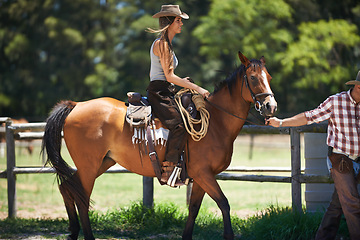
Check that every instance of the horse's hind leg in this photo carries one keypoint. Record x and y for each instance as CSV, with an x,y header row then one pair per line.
x,y
197,195
75,192
74,226
105,165
85,221
83,203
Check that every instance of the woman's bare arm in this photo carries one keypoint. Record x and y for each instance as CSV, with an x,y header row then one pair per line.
x,y
169,71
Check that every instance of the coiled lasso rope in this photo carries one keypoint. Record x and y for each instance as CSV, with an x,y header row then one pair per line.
x,y
189,121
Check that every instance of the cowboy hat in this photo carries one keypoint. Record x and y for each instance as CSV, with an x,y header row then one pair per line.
x,y
354,82
170,10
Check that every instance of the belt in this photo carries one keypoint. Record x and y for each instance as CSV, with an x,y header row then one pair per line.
x,y
352,157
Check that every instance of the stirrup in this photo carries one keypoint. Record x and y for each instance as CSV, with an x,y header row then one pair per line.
x,y
175,175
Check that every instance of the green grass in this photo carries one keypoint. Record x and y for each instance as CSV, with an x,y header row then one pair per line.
x,y
113,190
282,223
117,213
166,221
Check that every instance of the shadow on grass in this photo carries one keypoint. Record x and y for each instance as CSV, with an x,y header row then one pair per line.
x,y
166,221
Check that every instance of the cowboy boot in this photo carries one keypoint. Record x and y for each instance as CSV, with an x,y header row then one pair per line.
x,y
171,174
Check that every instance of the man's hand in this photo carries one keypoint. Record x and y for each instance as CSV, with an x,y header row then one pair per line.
x,y
273,121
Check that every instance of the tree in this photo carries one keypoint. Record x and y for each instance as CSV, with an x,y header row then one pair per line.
x,y
252,27
59,49
306,50
52,50
321,59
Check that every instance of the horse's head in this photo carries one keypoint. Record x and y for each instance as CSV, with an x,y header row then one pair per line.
x,y
257,81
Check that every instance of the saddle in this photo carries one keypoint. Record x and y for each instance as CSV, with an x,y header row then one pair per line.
x,y
139,111
139,116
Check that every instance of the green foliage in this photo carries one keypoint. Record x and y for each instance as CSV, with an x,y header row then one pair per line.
x,y
167,222
138,220
283,223
52,50
10,227
233,25
318,50
302,55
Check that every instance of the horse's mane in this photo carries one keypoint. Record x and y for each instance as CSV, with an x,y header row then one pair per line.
x,y
231,79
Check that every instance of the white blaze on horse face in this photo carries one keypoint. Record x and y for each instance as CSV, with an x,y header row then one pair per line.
x,y
266,82
272,102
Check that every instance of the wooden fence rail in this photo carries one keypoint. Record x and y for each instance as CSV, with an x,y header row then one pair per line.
x,y
16,131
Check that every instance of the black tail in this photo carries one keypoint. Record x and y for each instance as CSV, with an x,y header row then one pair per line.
x,y
52,140
52,144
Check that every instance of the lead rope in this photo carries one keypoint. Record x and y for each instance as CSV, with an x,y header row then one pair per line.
x,y
189,121
231,114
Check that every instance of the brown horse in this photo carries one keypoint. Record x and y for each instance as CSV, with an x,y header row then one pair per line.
x,y
97,136
29,145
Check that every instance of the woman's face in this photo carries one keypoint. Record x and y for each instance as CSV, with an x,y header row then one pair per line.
x,y
176,25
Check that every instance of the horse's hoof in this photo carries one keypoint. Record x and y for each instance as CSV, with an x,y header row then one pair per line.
x,y
187,237
229,237
70,237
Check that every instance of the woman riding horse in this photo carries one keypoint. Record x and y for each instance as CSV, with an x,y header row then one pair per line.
x,y
97,136
160,90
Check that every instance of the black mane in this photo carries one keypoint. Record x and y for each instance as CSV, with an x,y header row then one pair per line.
x,y
231,79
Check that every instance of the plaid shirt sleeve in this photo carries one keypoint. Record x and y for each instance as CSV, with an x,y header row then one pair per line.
x,y
321,113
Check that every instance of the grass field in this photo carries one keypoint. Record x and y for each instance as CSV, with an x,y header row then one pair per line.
x,y
38,195
166,221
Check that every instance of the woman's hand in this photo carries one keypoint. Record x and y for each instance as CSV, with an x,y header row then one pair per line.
x,y
205,93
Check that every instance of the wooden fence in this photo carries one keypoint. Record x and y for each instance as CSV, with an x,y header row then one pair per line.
x,y
17,132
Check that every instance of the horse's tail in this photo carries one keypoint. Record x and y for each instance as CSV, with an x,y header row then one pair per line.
x,y
52,140
52,144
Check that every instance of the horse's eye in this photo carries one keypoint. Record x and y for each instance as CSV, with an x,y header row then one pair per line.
x,y
253,78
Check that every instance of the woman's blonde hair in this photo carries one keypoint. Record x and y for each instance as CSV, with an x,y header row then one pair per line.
x,y
164,24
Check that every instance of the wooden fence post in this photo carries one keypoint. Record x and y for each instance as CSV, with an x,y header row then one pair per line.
x,y
10,164
148,192
295,169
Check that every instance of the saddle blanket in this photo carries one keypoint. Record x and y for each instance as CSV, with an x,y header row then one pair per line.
x,y
160,136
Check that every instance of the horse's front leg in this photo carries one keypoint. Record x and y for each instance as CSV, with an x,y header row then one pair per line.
x,y
208,183
197,195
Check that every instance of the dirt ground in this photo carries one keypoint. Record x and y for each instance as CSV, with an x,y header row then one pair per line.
x,y
39,212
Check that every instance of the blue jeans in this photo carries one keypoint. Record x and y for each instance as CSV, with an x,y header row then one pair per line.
x,y
356,166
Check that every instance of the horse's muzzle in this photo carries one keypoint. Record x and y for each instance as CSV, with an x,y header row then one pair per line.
x,y
268,107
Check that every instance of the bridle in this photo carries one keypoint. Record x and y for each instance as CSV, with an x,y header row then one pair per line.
x,y
257,104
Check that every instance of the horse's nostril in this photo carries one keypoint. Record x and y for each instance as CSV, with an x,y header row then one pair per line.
x,y
268,106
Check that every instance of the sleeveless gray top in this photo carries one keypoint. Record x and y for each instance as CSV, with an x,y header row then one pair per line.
x,y
156,70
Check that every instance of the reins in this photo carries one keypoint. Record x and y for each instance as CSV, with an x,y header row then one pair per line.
x,y
204,114
231,114
253,95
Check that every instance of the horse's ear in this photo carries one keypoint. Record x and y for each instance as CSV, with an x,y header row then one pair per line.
x,y
243,59
262,60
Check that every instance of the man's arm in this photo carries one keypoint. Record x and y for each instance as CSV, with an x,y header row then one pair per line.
x,y
295,121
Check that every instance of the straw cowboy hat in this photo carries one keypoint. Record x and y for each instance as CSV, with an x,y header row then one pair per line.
x,y
170,10
354,82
